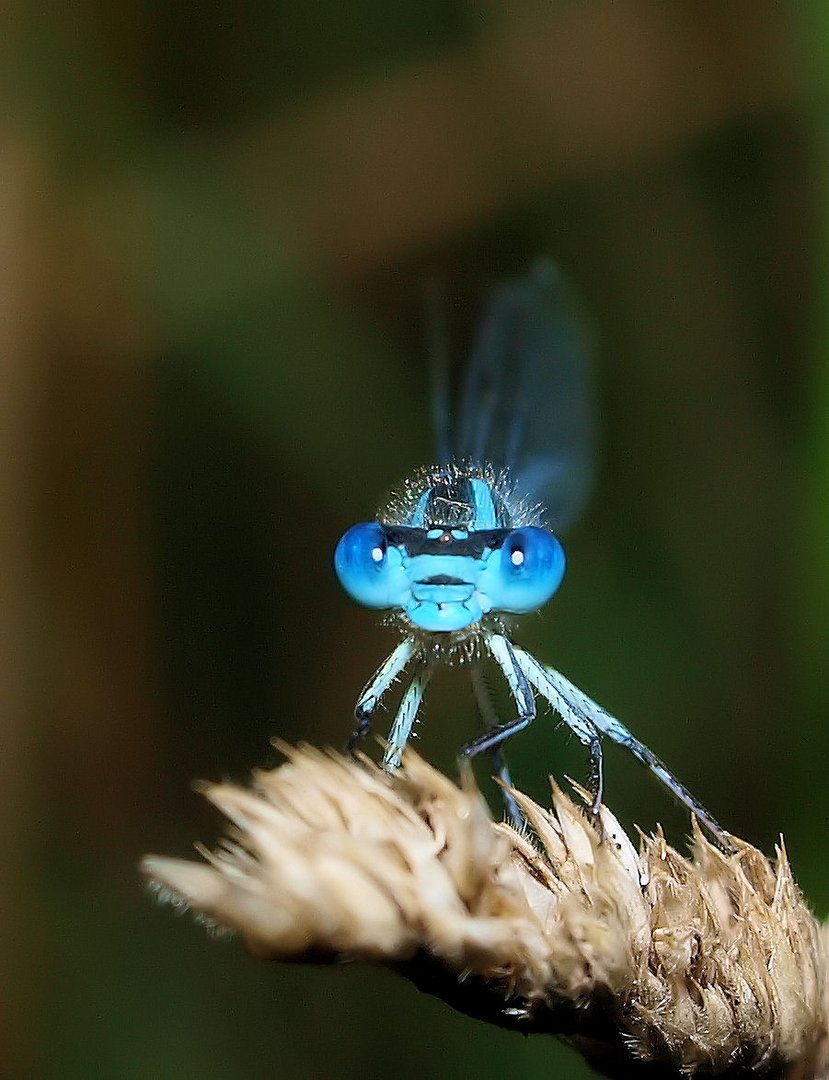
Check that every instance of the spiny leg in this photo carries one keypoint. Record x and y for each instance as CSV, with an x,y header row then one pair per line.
x,y
572,704
405,718
582,725
490,720
522,694
646,757
377,686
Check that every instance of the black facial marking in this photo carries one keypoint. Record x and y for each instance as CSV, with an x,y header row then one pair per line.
x,y
416,542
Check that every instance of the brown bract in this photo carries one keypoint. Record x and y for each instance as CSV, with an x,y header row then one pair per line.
x,y
652,963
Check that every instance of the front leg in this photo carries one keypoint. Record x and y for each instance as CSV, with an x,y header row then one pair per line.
x,y
376,688
580,722
504,655
406,716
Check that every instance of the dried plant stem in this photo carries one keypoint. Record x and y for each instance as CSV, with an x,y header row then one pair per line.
x,y
650,963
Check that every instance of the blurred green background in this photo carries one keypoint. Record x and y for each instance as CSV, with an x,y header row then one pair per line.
x,y
214,230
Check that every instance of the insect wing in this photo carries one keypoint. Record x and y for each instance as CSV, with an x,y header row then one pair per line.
x,y
525,400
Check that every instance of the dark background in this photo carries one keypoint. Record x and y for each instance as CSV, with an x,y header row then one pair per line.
x,y
214,228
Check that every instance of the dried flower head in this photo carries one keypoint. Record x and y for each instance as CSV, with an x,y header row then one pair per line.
x,y
711,965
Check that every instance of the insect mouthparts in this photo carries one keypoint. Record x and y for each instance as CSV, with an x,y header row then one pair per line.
x,y
442,579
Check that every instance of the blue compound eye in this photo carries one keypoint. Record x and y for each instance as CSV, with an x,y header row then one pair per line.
x,y
525,572
369,570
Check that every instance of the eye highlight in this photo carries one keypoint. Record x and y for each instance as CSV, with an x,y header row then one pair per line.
x,y
368,569
525,572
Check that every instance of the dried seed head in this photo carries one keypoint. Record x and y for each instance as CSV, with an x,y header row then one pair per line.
x,y
708,965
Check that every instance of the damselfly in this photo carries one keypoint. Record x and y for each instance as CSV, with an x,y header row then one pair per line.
x,y
472,542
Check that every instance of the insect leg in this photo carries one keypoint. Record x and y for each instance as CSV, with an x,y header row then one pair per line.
x,y
377,686
406,715
503,653
580,721
570,702
490,719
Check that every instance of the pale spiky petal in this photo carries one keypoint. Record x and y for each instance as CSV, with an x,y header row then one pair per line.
x,y
704,964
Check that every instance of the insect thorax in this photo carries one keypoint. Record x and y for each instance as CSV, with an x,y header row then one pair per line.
x,y
451,649
461,495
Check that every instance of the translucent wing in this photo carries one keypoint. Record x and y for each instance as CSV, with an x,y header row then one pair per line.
x,y
525,399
